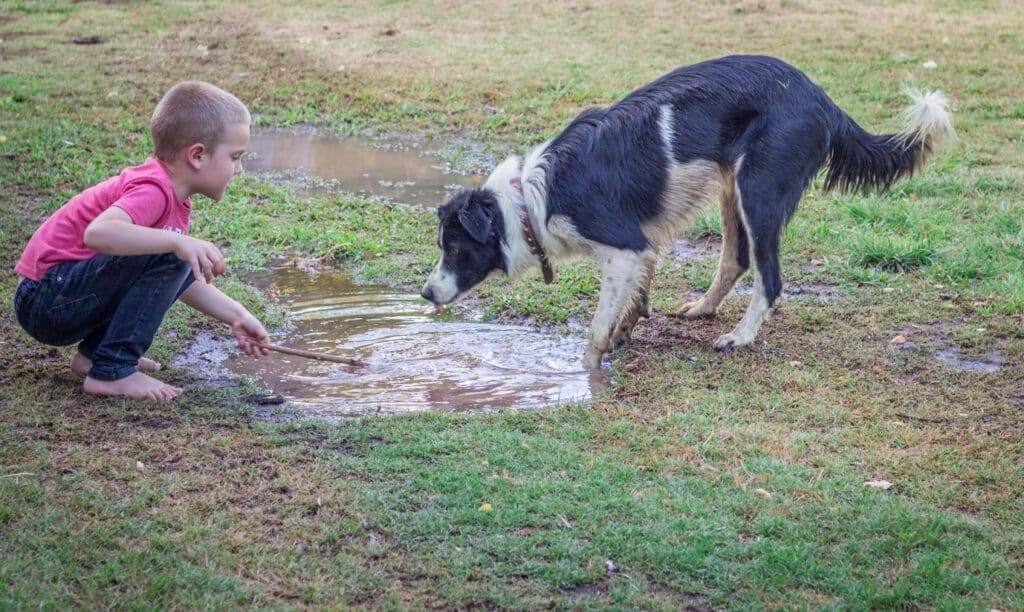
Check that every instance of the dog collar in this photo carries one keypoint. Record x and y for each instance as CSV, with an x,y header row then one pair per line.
x,y
531,237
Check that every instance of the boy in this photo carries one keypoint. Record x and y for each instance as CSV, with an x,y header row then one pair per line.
x,y
104,269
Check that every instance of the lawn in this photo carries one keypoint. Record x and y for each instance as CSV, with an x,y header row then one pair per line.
x,y
699,479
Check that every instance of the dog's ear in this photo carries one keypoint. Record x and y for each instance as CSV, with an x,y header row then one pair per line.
x,y
476,219
459,200
445,210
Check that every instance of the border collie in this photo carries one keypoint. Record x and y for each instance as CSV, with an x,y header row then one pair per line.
x,y
619,183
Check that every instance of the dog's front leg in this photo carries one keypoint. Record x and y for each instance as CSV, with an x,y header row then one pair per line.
x,y
624,273
638,306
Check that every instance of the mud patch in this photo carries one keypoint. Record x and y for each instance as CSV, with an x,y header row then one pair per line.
x,y
684,599
589,590
205,356
943,334
800,291
696,248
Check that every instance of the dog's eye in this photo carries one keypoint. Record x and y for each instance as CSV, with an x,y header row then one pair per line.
x,y
452,251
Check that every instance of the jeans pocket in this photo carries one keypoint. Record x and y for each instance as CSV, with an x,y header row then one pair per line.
x,y
70,321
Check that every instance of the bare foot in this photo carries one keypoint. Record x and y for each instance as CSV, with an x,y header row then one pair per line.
x,y
134,385
81,364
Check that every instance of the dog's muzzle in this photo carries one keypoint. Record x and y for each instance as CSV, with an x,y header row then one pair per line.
x,y
428,294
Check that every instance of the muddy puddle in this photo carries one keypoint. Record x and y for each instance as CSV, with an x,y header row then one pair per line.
x,y
415,361
409,171
696,248
951,357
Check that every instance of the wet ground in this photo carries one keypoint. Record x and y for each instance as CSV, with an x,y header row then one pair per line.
x,y
924,338
799,291
406,170
415,360
696,248
951,357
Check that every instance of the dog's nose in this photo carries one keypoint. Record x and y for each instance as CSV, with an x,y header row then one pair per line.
x,y
428,294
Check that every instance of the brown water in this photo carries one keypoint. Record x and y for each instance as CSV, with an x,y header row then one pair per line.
x,y
415,361
406,171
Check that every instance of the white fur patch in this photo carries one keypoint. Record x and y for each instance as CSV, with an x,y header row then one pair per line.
x,y
532,201
442,284
689,188
665,126
927,121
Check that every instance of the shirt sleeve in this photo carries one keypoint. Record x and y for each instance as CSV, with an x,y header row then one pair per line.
x,y
144,201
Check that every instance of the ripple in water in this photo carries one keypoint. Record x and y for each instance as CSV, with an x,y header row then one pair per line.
x,y
414,361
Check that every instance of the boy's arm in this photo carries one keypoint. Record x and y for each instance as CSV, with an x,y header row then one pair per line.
x,y
210,300
114,233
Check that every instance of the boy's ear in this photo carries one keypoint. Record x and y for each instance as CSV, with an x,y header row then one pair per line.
x,y
196,154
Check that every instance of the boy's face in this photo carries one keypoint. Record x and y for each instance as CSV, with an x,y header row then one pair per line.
x,y
224,163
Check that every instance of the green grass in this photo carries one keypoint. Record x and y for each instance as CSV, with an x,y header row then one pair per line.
x,y
891,253
709,480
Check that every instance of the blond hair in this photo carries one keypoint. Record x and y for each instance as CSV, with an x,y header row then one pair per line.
x,y
191,112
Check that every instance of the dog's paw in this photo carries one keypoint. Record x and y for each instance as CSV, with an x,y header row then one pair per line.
x,y
695,310
622,335
645,304
730,341
592,359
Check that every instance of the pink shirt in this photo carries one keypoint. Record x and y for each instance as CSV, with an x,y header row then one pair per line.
x,y
144,192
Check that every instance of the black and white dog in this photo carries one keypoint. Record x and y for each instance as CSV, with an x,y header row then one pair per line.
x,y
619,183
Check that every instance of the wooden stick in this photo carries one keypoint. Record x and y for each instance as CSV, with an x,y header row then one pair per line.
x,y
310,354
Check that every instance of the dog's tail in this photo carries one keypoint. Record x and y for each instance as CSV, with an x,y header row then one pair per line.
x,y
859,161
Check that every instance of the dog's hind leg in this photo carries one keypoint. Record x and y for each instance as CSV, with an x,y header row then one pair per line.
x,y
638,306
770,182
624,273
764,231
735,258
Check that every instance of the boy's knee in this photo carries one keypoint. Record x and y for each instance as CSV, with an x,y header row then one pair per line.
x,y
170,261
182,271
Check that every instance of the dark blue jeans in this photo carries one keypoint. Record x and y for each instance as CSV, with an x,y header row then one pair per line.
x,y
112,306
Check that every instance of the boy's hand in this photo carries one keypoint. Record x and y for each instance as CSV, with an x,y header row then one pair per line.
x,y
249,331
204,257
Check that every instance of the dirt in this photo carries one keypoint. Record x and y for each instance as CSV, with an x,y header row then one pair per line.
x,y
204,357
804,291
697,248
